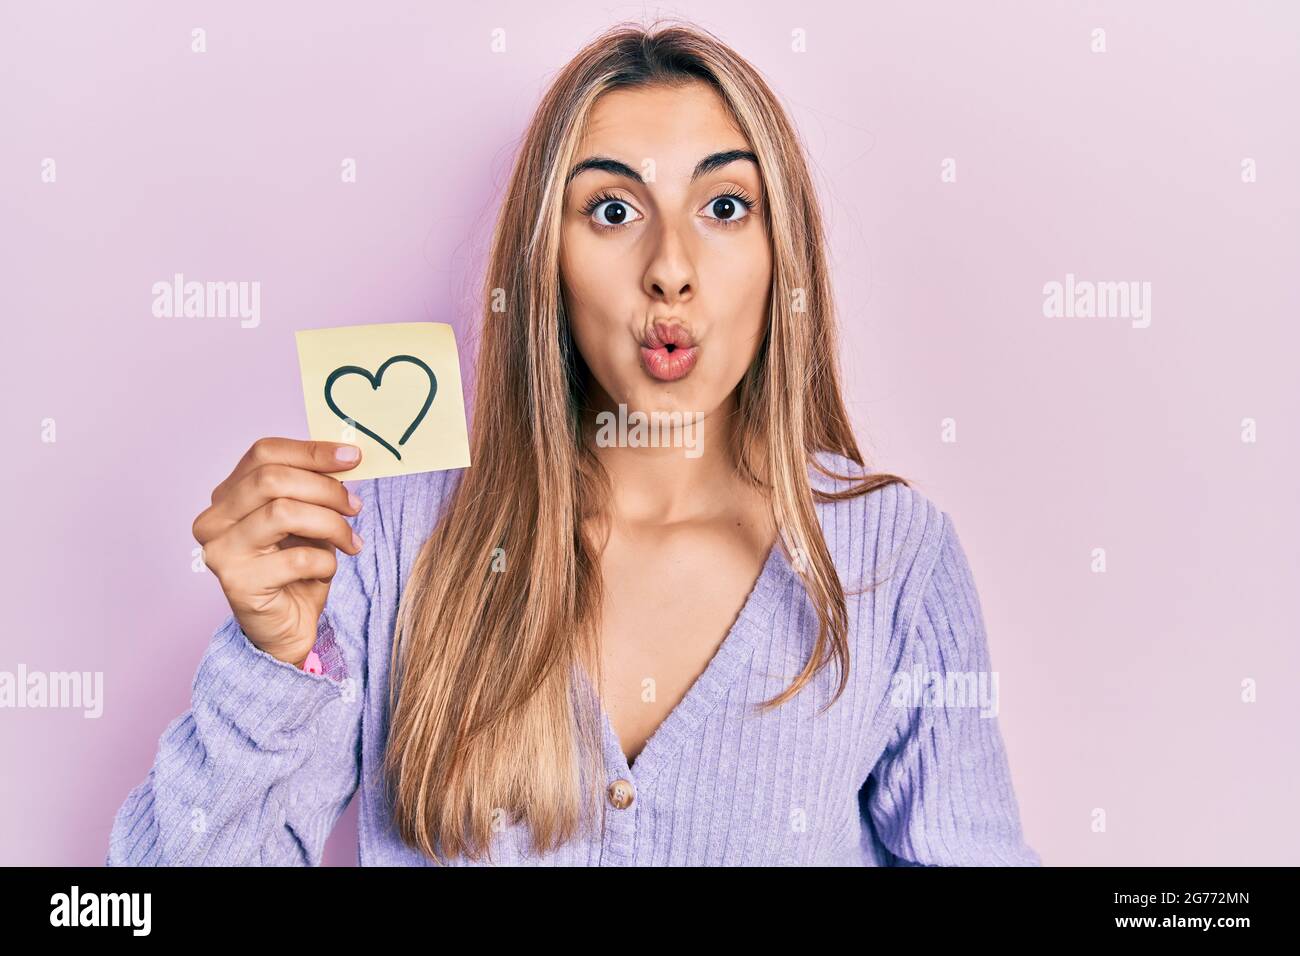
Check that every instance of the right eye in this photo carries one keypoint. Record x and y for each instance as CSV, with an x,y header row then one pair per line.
x,y
610,212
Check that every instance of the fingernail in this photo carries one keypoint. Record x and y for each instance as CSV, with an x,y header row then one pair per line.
x,y
347,453
354,501
356,541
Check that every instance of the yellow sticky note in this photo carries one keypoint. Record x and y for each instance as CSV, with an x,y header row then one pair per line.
x,y
393,390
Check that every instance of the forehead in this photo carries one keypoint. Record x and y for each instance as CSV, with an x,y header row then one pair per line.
x,y
673,125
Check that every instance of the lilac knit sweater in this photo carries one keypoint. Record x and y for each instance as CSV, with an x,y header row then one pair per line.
x,y
906,768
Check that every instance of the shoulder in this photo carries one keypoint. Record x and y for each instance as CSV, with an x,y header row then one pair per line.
x,y
896,518
892,538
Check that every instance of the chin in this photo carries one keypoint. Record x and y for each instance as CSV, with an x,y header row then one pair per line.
x,y
665,397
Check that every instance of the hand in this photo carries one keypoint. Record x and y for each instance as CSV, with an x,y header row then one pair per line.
x,y
270,534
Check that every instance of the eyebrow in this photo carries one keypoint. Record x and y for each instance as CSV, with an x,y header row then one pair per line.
x,y
706,165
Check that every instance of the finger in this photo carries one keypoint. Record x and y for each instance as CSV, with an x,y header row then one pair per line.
x,y
280,517
294,564
266,483
322,456
294,541
215,552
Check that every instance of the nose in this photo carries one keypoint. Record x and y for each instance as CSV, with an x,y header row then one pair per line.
x,y
670,275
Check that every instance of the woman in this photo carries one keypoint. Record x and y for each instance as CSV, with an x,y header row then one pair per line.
x,y
582,650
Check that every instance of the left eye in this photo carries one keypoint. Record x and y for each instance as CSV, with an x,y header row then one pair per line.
x,y
728,208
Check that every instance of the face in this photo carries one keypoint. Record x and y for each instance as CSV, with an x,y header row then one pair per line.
x,y
664,260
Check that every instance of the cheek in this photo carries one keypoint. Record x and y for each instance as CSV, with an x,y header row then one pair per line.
x,y
746,281
743,280
592,271
591,295
581,284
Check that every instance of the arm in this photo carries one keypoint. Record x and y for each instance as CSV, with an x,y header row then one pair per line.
x,y
941,792
264,762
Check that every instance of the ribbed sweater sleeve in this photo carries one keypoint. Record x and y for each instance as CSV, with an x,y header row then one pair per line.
x,y
264,762
941,793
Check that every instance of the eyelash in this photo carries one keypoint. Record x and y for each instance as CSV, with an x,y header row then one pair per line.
x,y
731,193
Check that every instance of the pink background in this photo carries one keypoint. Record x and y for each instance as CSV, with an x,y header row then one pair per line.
x,y
1119,691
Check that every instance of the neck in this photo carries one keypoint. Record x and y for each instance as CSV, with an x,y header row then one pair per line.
x,y
690,476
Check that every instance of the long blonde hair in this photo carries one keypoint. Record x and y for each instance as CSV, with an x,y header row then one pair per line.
x,y
487,728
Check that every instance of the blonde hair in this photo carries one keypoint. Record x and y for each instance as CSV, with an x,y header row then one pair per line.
x,y
486,727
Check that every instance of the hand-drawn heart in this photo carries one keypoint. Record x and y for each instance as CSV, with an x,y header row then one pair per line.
x,y
375,380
